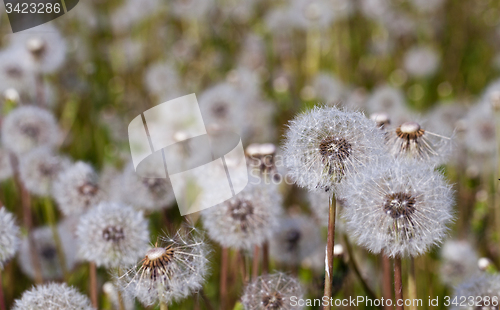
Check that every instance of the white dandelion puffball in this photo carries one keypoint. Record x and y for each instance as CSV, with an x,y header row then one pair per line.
x,y
112,235
15,73
28,127
390,100
247,219
45,45
76,189
146,194
174,269
162,80
480,130
459,262
295,238
400,207
326,144
46,250
5,165
328,88
39,168
9,236
410,140
312,13
52,296
421,61
486,291
272,291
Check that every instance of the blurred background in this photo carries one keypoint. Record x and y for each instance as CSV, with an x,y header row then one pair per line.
x,y
253,65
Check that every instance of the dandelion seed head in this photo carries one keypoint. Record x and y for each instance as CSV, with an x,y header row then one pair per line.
x,y
247,219
162,80
421,61
9,236
479,286
401,207
112,235
389,100
295,238
272,292
53,296
459,262
14,73
480,132
76,189
28,127
326,144
46,250
39,168
175,268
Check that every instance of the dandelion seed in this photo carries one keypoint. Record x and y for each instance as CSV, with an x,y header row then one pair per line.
x,y
459,262
46,250
9,236
245,220
76,189
39,168
28,127
112,235
325,145
410,140
146,194
421,61
52,296
400,207
295,238
170,271
484,287
45,45
272,292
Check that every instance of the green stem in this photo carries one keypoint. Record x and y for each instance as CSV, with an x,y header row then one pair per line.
x,y
412,283
51,219
163,306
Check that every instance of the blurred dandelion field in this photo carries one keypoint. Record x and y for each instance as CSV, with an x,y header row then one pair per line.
x,y
370,130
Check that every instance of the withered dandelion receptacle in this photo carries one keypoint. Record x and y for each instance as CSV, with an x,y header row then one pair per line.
x,y
410,140
52,296
170,271
400,207
112,235
272,292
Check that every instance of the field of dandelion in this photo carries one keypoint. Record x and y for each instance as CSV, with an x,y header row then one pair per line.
x,y
379,115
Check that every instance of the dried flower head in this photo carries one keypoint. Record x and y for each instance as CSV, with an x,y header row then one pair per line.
x,y
146,194
459,262
45,45
410,140
172,270
326,144
9,236
76,189
112,235
486,291
46,250
5,165
39,168
272,292
53,296
399,207
421,61
28,127
247,219
296,237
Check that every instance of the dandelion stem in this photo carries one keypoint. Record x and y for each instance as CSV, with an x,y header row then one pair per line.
x,y
398,282
2,299
206,301
412,283
265,258
223,278
243,267
51,219
355,268
27,219
255,262
386,278
93,283
329,249
163,306
121,305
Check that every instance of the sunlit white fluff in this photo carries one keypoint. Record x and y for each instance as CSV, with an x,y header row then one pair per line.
x,y
9,236
459,262
52,296
421,61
